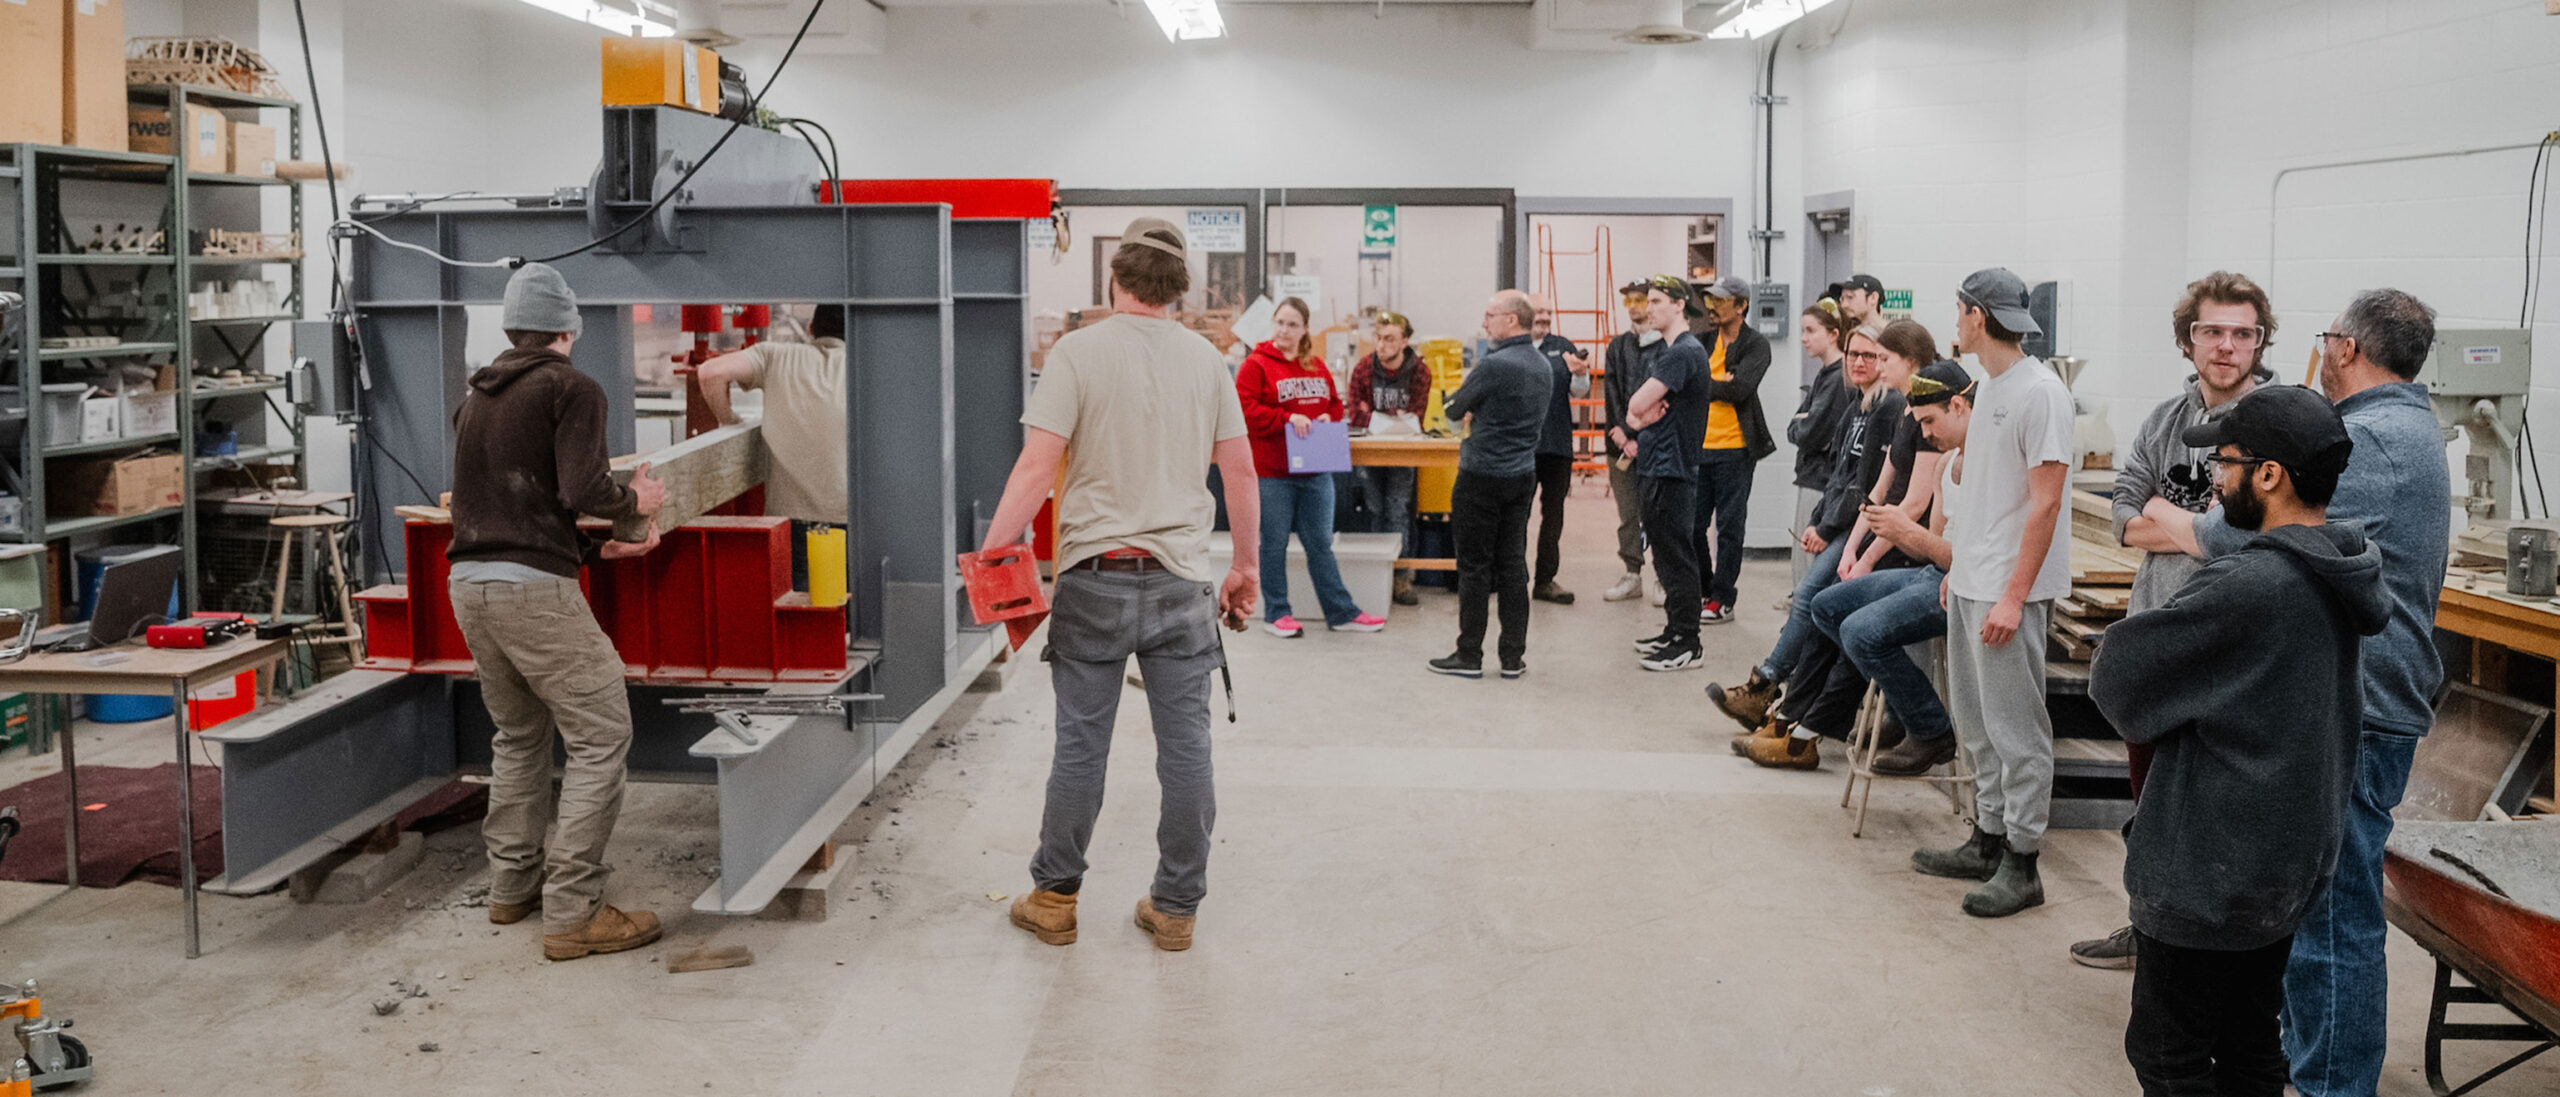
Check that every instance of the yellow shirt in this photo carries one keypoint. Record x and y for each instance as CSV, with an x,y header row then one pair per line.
x,y
1724,427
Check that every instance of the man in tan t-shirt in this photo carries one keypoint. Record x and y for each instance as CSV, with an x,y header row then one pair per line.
x,y
804,415
1135,409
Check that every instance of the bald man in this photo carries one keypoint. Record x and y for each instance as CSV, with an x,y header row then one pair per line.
x,y
1504,398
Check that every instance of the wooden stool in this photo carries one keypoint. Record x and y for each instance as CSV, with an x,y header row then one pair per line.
x,y
323,529
1956,782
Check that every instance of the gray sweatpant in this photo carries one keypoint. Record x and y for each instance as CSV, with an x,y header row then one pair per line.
x,y
1097,620
1629,496
546,667
1797,558
1996,696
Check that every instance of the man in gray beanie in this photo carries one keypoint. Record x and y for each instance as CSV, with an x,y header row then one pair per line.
x,y
529,458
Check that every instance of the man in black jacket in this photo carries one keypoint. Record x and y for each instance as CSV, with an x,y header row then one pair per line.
x,y
1571,369
2244,684
1737,438
1627,362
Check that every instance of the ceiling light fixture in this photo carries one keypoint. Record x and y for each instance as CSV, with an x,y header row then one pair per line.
x,y
1759,18
629,18
1188,20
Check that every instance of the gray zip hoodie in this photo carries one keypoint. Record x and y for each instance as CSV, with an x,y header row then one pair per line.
x,y
2396,492
2244,683
2158,465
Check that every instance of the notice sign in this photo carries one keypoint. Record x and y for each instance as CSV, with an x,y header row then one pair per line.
x,y
1214,230
1377,230
1305,287
1897,304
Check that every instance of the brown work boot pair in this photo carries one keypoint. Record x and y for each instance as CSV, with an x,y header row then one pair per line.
x,y
1051,917
608,930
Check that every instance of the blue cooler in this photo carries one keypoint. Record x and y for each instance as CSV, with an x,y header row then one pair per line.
x,y
108,708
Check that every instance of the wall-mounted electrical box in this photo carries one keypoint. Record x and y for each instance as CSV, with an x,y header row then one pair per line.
x,y
1769,309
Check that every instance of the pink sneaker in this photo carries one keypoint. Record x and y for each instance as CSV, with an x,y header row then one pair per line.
x,y
1286,628
1362,623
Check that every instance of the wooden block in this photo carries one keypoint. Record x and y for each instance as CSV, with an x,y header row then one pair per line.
x,y
710,958
2085,631
2068,648
822,860
418,513
2098,462
700,473
2075,608
2103,599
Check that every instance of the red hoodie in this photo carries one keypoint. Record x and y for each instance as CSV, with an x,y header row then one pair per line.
x,y
1272,388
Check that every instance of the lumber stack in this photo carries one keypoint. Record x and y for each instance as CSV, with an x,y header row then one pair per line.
x,y
2101,582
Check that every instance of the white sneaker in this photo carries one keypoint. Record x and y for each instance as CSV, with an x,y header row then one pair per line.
x,y
1653,592
1628,586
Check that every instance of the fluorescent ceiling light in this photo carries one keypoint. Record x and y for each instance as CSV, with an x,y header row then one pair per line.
x,y
629,18
1759,18
1185,20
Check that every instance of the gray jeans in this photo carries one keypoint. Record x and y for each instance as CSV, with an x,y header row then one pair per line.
x,y
1629,496
1996,697
1097,620
546,667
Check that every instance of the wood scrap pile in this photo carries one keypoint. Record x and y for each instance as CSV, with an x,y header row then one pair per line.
x,y
2101,582
214,62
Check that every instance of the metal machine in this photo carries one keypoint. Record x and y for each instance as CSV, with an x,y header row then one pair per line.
x,y
2477,378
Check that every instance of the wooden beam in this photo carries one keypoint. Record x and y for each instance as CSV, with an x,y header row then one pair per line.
x,y
700,472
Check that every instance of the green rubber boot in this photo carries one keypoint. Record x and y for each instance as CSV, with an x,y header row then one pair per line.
x,y
1977,859
2014,888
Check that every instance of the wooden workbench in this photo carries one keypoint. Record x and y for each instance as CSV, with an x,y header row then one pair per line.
x,y
1409,451
2480,607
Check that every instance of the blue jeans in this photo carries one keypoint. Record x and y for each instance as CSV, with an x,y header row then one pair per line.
x,y
1873,618
2335,986
1823,571
1389,493
1302,505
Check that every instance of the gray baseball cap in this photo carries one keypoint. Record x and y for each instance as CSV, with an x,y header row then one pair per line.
x,y
2004,296
1727,288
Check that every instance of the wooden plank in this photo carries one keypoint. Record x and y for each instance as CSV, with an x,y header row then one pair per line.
x,y
2069,649
2103,599
418,513
2085,631
700,472
2075,608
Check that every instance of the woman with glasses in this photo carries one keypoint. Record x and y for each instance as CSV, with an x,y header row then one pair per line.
x,y
1391,381
1285,388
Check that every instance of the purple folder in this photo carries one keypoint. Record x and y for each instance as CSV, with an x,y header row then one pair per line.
x,y
1326,448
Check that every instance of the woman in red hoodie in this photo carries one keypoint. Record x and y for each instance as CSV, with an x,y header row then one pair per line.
x,y
1285,387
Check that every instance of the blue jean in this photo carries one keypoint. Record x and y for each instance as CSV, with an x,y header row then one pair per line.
x,y
1873,618
2335,985
1302,505
1823,571
1389,493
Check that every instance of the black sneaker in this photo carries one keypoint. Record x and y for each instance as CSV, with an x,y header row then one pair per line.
x,y
1653,643
1714,613
2113,952
1513,668
1457,666
1685,655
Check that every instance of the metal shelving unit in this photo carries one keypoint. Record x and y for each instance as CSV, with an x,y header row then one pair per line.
x,y
32,179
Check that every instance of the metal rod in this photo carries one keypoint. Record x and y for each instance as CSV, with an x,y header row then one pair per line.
x,y
71,795
2278,183
186,815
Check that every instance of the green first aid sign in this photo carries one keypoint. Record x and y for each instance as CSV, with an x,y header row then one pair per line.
x,y
1378,229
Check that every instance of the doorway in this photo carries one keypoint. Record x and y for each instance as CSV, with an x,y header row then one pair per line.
x,y
1828,251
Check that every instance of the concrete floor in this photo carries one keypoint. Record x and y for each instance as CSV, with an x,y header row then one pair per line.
x,y
1560,885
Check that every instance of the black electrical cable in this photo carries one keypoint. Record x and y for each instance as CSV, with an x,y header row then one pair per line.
x,y
320,125
1769,153
835,160
678,188
823,168
2537,237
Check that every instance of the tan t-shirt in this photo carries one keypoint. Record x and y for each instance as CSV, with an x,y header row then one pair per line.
x,y
804,427
1143,404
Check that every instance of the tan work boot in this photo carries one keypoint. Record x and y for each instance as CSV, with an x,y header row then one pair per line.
x,y
1749,705
1775,729
1171,931
610,930
1786,753
1047,915
508,914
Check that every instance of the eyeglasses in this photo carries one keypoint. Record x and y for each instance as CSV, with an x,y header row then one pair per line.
x,y
1866,356
2220,462
2245,336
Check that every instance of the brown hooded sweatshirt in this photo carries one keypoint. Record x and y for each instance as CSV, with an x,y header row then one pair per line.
x,y
528,459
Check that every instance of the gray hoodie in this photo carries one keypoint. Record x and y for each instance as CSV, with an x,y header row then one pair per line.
x,y
2245,684
2158,465
2396,491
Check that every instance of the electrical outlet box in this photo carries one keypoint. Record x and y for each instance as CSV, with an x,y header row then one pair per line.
x,y
2479,362
1770,311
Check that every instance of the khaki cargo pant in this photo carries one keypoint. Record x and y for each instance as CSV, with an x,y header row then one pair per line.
x,y
546,666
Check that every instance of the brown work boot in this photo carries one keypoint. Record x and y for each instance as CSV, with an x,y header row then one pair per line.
x,y
1047,915
508,914
1748,705
1787,753
1171,931
1778,727
1402,593
609,930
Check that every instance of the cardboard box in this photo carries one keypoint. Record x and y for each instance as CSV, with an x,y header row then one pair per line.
x,y
253,149
93,97
645,72
148,412
206,140
31,71
110,486
101,419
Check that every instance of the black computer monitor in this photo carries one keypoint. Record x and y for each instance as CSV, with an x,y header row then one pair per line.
x,y
134,593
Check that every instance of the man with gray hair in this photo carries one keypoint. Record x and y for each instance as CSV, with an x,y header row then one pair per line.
x,y
1506,394
2397,489
528,458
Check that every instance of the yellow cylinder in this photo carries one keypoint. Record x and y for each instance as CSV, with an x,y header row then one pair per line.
x,y
826,567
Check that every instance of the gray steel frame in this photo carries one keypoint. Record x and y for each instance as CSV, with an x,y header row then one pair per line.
x,y
935,313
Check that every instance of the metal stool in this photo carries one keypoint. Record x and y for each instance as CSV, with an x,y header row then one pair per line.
x,y
323,529
1956,782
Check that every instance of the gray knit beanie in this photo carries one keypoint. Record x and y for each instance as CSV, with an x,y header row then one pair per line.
x,y
538,299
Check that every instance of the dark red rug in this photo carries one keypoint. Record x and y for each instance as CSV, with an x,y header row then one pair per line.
x,y
129,824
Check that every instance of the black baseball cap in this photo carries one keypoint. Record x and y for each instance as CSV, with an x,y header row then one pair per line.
x,y
1939,382
2002,294
1867,282
2288,424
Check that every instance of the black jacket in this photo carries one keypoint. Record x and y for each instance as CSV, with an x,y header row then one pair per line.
x,y
1817,424
2245,685
1624,368
528,459
1744,366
